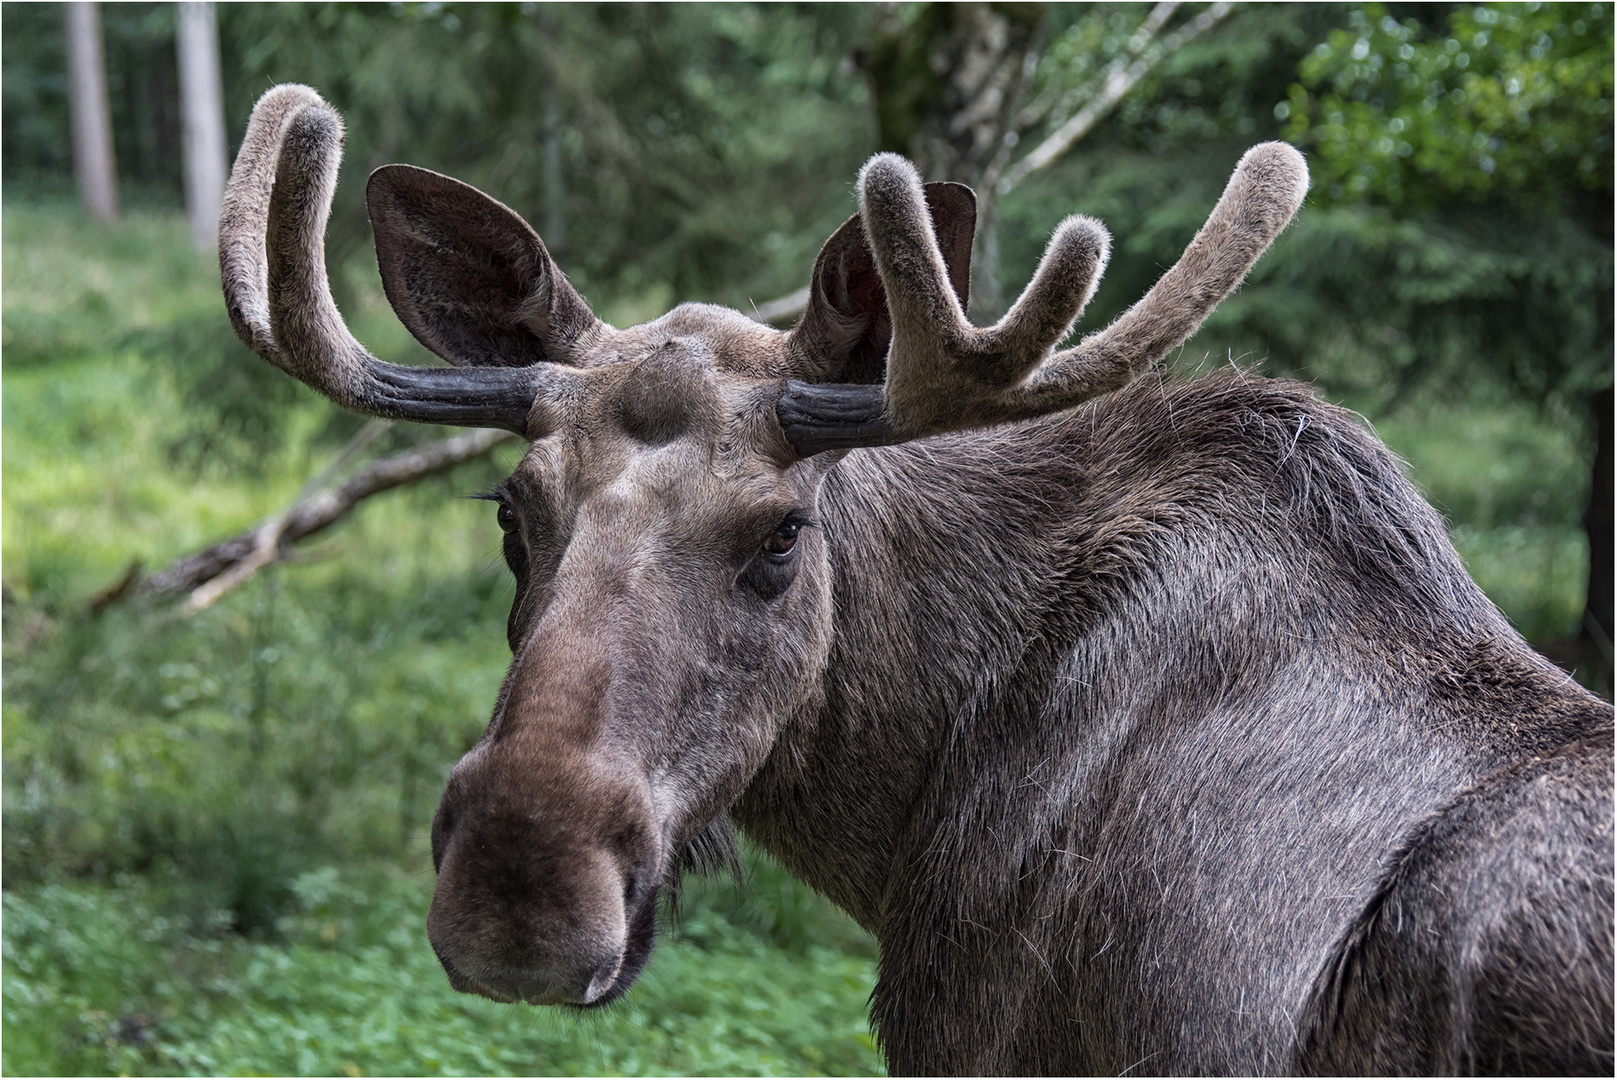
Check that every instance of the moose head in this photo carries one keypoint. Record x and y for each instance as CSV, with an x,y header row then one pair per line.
x,y
674,608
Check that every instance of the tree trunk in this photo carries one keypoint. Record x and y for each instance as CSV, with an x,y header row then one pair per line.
x,y
93,164
948,85
1595,637
203,111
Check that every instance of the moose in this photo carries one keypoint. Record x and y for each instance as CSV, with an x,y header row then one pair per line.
x,y
1147,723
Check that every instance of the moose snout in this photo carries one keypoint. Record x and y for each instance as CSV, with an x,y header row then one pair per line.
x,y
541,899
586,986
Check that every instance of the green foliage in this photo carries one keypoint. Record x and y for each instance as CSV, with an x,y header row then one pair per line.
x,y
702,149
1376,304
1513,484
1221,85
98,980
1478,165
33,75
71,292
143,98
1514,100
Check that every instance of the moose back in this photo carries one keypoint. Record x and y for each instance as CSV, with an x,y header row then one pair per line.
x,y
1148,725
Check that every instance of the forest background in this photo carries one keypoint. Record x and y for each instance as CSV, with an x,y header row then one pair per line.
x,y
215,816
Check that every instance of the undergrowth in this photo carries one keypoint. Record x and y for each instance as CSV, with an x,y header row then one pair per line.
x,y
99,980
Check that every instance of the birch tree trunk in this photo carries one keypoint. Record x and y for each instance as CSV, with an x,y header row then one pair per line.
x,y
951,84
93,164
202,112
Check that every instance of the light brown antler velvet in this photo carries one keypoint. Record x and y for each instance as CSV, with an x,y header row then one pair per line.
x,y
272,266
943,374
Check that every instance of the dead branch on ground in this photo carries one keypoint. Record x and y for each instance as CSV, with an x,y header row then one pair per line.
x,y
210,573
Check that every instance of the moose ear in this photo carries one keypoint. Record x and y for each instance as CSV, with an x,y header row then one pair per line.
x,y
845,330
467,276
954,220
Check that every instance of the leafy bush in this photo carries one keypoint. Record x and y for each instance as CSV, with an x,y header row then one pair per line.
x,y
1513,97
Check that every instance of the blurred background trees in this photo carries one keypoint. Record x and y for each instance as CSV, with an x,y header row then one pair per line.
x,y
93,165
1450,277
1486,131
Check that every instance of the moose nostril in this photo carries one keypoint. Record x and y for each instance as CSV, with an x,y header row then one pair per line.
x,y
601,982
598,986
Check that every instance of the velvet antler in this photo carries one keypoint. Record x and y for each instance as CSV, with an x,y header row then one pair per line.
x,y
943,374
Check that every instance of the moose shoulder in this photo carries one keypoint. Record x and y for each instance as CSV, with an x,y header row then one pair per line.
x,y
1147,725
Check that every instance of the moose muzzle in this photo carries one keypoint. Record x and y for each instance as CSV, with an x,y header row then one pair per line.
x,y
546,892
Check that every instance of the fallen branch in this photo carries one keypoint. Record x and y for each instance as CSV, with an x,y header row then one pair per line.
x,y
118,589
210,573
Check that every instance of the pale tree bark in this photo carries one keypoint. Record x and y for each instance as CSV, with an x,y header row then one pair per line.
x,y
94,166
1120,77
1055,100
203,111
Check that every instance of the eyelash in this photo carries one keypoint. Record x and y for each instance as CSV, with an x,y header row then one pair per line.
x,y
499,495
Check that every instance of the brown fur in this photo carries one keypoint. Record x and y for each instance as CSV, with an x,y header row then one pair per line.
x,y
1159,732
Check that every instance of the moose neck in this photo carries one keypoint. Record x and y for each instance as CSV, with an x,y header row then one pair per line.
x,y
939,551
988,587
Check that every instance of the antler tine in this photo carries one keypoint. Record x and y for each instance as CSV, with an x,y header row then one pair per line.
x,y
942,373
244,217
1263,195
272,266
936,353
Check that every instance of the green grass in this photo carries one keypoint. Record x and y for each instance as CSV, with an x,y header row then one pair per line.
x,y
178,790
1513,485
98,981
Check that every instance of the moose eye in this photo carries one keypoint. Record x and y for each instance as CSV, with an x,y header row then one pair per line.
x,y
507,518
784,539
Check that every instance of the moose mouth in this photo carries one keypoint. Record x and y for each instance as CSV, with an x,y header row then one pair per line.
x,y
509,985
642,937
